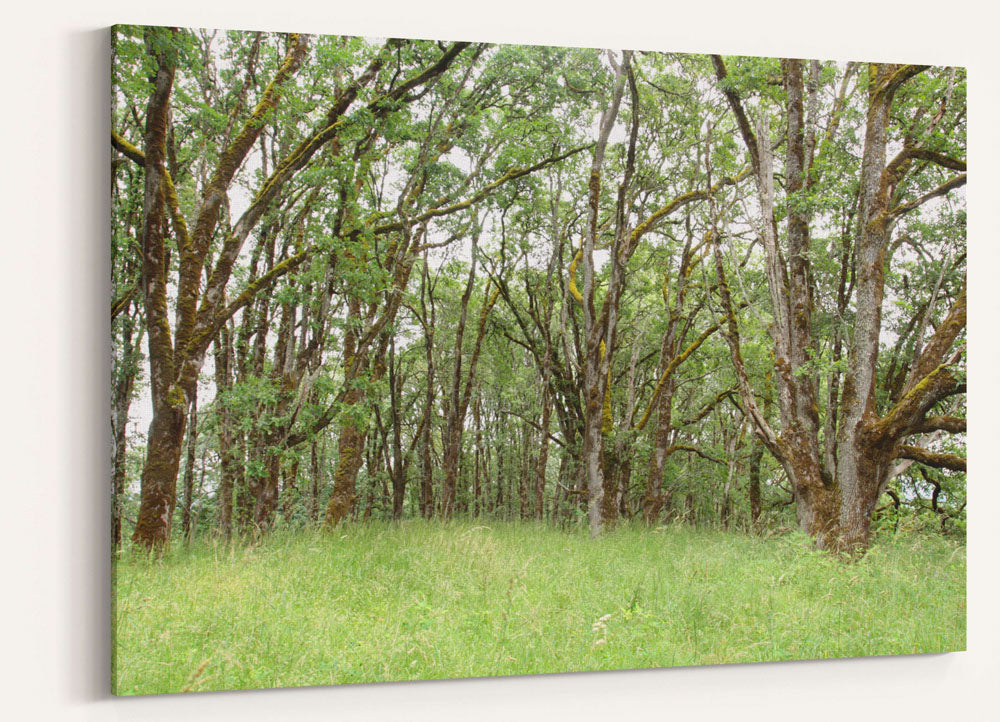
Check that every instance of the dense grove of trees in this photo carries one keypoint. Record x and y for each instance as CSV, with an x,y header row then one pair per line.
x,y
361,279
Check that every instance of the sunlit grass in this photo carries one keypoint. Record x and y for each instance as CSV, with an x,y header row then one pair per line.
x,y
380,602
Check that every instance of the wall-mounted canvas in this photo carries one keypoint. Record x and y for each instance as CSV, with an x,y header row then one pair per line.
x,y
438,359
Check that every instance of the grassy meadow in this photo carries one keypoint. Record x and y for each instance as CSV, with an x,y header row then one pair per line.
x,y
381,602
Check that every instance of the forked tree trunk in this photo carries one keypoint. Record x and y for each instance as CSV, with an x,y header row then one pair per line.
x,y
835,505
595,376
175,362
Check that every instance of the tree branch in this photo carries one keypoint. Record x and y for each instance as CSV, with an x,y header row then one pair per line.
x,y
511,174
930,458
951,424
949,185
127,149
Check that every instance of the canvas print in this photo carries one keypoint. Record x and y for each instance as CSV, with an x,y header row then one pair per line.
x,y
437,359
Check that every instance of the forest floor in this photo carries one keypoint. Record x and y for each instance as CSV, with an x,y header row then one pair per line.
x,y
424,600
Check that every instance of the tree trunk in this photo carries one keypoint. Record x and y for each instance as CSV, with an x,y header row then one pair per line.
x,y
119,425
159,475
124,374
248,482
314,490
192,446
866,443
753,484
731,447
654,499
166,429
228,453
398,466
543,453
353,431
266,503
427,470
176,360
790,291
289,489
453,431
476,480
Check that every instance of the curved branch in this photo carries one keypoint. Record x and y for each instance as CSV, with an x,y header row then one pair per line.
x,y
951,424
930,458
937,158
511,174
949,185
121,303
691,449
672,366
737,107
128,150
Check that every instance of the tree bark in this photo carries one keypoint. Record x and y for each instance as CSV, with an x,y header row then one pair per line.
x,y
169,399
228,453
398,466
427,470
353,431
753,484
124,374
176,360
453,431
595,376
192,446
175,363
835,505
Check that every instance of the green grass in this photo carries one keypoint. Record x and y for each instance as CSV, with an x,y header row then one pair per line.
x,y
378,602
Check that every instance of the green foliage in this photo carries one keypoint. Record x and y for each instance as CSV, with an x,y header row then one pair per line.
x,y
413,164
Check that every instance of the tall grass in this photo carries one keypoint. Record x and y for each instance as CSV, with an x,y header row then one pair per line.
x,y
380,602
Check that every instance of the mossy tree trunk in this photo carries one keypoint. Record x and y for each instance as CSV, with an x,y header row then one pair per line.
x,y
354,423
398,470
124,372
455,412
175,358
835,505
428,319
596,359
192,448
753,485
166,429
228,451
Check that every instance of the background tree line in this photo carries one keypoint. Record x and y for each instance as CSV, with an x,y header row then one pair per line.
x,y
382,279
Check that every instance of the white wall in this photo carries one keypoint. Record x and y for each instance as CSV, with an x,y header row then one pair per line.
x,y
54,652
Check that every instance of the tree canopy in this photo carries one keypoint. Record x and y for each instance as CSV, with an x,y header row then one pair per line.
x,y
359,278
